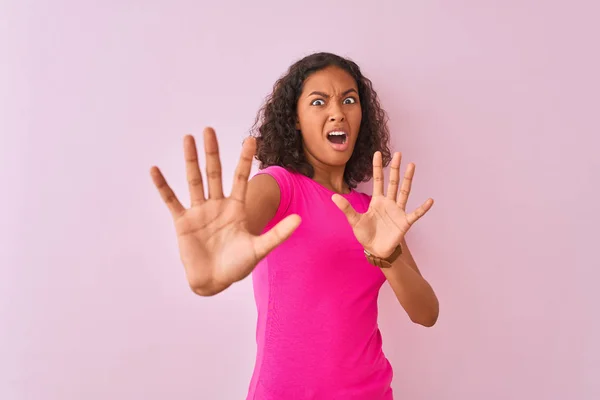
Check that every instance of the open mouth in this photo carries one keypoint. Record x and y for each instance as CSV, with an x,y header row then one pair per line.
x,y
337,137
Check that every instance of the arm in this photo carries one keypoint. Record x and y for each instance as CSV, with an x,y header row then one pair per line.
x,y
215,235
412,290
262,201
383,226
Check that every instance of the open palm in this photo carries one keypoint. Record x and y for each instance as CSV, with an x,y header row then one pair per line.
x,y
386,222
215,245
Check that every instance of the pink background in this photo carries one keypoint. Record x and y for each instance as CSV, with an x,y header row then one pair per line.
x,y
495,101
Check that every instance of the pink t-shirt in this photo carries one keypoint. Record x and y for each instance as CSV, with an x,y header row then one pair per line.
x,y
316,294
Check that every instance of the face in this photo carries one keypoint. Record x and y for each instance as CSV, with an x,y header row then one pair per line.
x,y
329,116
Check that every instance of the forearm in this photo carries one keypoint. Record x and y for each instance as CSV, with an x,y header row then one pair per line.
x,y
412,290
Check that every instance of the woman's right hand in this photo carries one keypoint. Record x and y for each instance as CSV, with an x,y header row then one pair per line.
x,y
215,245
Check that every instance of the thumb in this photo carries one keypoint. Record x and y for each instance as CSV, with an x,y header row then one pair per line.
x,y
265,243
346,208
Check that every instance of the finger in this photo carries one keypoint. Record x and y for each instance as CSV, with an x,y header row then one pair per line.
x,y
242,172
346,208
275,236
392,191
213,165
166,193
406,185
419,212
194,177
377,174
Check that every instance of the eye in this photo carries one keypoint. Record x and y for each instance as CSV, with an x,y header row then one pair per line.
x,y
313,103
352,100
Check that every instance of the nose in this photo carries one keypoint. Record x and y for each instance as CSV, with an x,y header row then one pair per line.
x,y
337,114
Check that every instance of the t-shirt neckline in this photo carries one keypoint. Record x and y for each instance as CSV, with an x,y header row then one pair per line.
x,y
331,192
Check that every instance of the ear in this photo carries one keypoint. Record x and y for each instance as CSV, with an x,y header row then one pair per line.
x,y
297,125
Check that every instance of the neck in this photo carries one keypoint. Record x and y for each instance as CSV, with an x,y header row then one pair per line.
x,y
330,176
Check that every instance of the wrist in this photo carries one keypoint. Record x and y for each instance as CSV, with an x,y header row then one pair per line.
x,y
383,262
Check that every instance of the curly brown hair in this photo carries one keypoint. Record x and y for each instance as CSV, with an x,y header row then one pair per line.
x,y
278,141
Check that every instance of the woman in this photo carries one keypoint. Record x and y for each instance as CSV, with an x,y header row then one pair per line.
x,y
318,250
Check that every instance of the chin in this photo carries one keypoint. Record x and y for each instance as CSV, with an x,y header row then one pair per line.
x,y
338,159
329,156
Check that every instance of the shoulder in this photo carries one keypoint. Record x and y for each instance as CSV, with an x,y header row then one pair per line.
x,y
364,196
363,200
275,171
275,174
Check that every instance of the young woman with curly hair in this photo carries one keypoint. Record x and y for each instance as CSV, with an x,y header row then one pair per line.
x,y
317,249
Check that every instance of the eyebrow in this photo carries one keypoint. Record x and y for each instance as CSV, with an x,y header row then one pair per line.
x,y
328,96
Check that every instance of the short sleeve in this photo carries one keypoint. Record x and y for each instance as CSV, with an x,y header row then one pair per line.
x,y
284,180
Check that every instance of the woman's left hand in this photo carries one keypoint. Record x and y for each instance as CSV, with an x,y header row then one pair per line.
x,y
386,222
